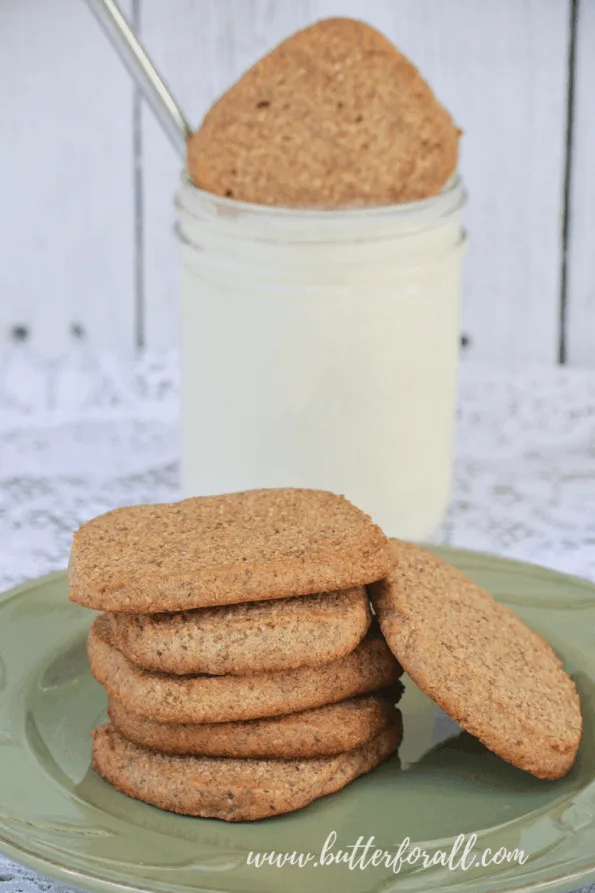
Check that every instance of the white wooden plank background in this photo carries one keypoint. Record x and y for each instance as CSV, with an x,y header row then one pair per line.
x,y
67,221
66,225
581,255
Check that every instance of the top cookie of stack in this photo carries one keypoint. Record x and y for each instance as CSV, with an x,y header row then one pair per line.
x,y
334,117
219,550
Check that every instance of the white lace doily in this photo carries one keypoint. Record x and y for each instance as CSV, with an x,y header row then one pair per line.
x,y
86,433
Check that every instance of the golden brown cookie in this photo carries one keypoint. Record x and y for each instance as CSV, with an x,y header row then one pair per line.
x,y
335,116
196,699
220,550
479,662
311,733
254,637
230,789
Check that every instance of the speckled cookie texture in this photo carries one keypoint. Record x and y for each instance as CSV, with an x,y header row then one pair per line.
x,y
254,637
311,733
200,698
216,550
229,789
333,117
479,662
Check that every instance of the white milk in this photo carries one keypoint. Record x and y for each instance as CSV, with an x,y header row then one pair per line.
x,y
320,349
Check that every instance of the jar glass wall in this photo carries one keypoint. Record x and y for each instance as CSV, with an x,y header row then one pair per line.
x,y
320,349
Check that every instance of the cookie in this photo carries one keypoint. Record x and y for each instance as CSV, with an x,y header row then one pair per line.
x,y
199,699
254,637
230,789
334,117
311,733
219,550
479,662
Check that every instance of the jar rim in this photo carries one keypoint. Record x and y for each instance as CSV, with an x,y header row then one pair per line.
x,y
191,198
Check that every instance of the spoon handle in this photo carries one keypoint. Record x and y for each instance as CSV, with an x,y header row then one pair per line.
x,y
146,76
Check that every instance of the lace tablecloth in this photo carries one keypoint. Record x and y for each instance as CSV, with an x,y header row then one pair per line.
x,y
84,433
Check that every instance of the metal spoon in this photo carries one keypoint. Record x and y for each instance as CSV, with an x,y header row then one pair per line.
x,y
146,76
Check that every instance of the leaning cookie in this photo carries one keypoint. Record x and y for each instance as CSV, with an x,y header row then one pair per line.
x,y
334,117
205,699
310,733
256,637
222,550
229,789
479,662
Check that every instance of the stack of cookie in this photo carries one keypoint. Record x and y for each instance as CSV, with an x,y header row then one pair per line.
x,y
244,673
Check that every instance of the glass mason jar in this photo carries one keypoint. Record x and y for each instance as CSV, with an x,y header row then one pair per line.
x,y
320,349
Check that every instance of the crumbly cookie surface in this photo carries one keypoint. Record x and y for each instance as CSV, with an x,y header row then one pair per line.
x,y
187,699
334,117
233,790
214,550
479,662
311,733
253,637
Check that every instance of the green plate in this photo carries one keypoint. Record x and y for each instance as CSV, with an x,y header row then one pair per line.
x,y
58,817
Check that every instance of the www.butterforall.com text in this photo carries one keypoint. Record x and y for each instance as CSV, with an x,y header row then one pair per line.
x,y
462,856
